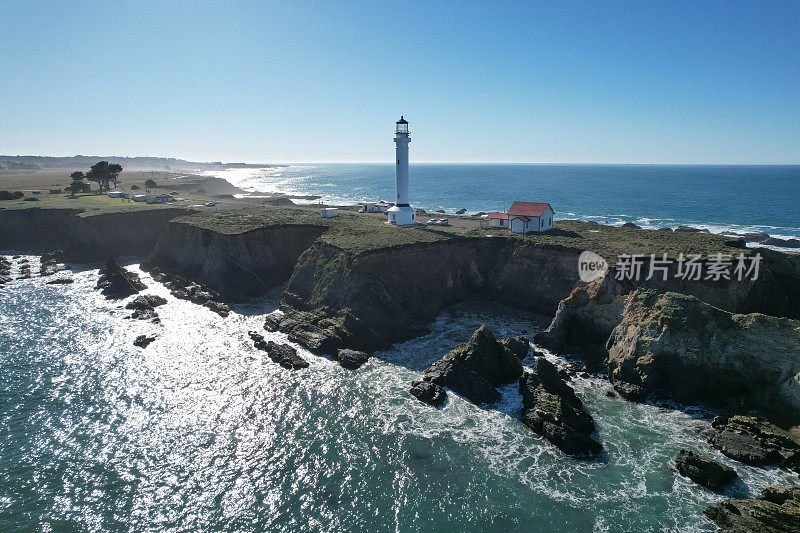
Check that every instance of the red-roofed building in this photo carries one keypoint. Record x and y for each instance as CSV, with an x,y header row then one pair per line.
x,y
523,217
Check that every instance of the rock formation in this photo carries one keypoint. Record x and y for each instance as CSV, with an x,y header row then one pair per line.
x,y
185,289
428,392
551,409
704,471
144,306
776,510
630,225
475,368
755,441
351,359
116,283
648,340
283,354
143,340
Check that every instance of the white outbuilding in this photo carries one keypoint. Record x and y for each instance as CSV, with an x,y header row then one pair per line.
x,y
329,212
528,217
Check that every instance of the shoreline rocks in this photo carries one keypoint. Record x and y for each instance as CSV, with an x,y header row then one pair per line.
x,y
551,409
704,470
474,369
351,359
50,264
777,509
755,441
116,283
283,354
428,392
185,289
144,307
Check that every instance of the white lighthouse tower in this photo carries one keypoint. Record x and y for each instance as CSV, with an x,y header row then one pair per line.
x,y
402,214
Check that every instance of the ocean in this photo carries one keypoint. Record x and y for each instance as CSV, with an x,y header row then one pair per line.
x,y
718,198
200,431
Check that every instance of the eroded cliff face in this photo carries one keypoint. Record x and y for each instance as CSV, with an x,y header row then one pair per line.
x,y
235,265
371,300
89,238
649,341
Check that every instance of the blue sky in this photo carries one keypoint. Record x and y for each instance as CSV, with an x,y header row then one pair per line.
x,y
582,82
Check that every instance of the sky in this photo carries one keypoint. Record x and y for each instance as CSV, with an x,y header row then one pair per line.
x,y
561,82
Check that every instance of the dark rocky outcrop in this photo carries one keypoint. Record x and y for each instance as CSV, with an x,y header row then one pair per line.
x,y
50,265
185,289
283,354
144,306
776,510
61,281
351,359
630,225
551,409
690,229
461,211
704,471
428,392
785,243
116,283
142,341
748,237
5,271
755,441
475,368
650,340
519,346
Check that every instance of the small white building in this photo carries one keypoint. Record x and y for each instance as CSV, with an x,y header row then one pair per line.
x,y
329,212
114,194
496,220
382,207
367,207
528,217
160,199
139,198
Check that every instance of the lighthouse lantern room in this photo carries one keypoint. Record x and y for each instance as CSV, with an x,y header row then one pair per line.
x,y
402,214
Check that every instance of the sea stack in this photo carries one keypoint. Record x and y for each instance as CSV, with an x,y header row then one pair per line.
x,y
402,214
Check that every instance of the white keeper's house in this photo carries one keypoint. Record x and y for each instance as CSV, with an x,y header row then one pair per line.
x,y
523,217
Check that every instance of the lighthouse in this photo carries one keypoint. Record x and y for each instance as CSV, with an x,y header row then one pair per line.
x,y
402,214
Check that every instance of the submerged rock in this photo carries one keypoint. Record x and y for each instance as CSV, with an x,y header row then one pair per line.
x,y
755,441
690,229
115,282
143,340
351,359
61,281
551,409
777,509
475,368
704,471
428,392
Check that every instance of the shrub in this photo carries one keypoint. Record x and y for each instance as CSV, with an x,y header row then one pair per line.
x,y
8,195
134,187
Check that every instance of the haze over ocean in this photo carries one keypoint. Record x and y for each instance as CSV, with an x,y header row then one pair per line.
x,y
720,198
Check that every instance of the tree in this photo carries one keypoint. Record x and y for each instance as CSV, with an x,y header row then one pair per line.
x,y
103,173
77,182
151,183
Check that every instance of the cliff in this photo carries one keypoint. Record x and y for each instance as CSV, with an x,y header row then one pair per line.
x,y
649,341
84,238
235,265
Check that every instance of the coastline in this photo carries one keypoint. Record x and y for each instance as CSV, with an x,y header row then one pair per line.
x,y
272,181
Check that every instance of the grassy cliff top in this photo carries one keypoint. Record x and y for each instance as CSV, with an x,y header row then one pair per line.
x,y
612,241
358,233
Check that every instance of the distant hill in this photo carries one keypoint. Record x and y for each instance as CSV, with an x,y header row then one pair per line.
x,y
38,162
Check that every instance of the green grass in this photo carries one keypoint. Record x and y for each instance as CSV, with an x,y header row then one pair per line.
x,y
611,242
89,204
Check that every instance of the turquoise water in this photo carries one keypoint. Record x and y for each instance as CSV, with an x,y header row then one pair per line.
x,y
201,432
735,198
